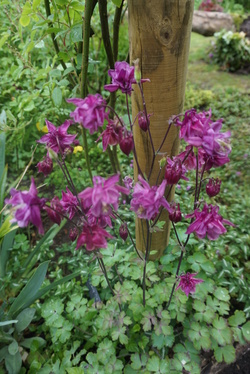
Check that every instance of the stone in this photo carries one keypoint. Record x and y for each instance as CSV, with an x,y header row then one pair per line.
x,y
207,23
245,27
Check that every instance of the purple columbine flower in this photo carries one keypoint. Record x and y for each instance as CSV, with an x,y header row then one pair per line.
x,y
27,207
103,195
208,222
93,237
45,166
69,202
112,134
123,231
188,283
213,187
146,200
143,122
122,78
127,143
57,138
55,210
174,171
89,112
175,216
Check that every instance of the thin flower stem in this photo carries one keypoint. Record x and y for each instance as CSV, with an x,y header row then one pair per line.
x,y
129,233
176,276
149,132
131,128
165,136
85,144
177,236
145,266
103,268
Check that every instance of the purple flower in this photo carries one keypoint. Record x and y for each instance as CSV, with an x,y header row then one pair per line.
x,y
174,171
146,200
103,195
90,112
123,231
69,203
111,135
128,182
127,143
213,187
55,210
143,122
93,237
57,138
192,126
122,78
45,166
175,216
207,222
27,207
188,283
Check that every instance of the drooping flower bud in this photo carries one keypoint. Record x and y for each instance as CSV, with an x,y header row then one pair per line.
x,y
173,171
213,187
55,210
45,166
123,231
73,233
127,143
175,216
143,122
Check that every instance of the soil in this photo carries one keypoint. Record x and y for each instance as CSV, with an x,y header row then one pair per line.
x,y
240,366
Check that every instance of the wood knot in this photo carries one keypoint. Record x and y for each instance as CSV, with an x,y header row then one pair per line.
x,y
166,32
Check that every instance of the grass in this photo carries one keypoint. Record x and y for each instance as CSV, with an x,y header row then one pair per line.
x,y
209,76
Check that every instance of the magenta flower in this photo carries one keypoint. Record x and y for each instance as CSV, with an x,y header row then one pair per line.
x,y
111,135
143,122
69,203
103,195
188,283
27,207
93,237
55,210
174,171
175,216
123,231
146,200
89,112
213,187
127,143
57,138
192,126
122,78
45,166
207,222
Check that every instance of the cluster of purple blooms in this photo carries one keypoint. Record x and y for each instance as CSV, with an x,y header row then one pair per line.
x,y
92,210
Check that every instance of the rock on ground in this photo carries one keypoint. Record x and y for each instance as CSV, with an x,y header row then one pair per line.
x,y
207,23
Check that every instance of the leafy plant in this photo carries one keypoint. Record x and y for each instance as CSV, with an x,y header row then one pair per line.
x,y
231,50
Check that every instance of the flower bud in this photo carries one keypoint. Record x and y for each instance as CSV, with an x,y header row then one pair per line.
x,y
173,171
73,234
127,143
123,231
213,187
175,216
55,210
45,166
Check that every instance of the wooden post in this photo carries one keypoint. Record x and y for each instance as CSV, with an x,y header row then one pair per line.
x,y
159,32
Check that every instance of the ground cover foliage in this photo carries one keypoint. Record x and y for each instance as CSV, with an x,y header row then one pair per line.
x,y
64,326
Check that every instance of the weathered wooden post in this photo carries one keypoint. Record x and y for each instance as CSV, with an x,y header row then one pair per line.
x,y
159,32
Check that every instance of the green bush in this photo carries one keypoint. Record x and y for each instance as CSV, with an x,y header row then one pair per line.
x,y
231,50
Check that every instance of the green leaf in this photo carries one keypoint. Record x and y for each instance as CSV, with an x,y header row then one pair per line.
x,y
13,348
117,3
13,363
138,361
5,323
24,20
36,3
226,353
57,96
153,364
237,319
222,294
246,331
29,342
75,371
3,39
24,318
76,33
28,294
